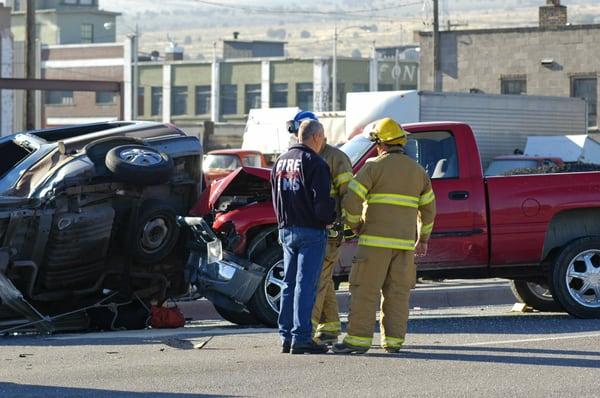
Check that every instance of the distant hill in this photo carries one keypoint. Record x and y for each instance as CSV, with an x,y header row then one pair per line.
x,y
307,25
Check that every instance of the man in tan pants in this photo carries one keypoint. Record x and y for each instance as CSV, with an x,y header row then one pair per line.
x,y
387,201
325,317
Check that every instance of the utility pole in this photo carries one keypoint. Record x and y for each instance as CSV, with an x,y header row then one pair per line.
x,y
437,86
30,64
334,72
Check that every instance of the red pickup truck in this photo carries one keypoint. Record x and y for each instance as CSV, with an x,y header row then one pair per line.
x,y
541,231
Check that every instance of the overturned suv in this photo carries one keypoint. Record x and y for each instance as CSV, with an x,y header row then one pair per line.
x,y
88,223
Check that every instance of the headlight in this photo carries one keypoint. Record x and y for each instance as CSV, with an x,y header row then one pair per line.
x,y
214,251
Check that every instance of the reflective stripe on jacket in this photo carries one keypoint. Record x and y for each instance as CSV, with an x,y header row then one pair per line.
x,y
391,196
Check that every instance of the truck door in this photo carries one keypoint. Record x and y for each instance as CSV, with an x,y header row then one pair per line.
x,y
459,238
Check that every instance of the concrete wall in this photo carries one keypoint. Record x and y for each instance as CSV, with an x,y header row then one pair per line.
x,y
479,59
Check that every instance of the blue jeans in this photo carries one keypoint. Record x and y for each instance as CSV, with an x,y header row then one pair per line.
x,y
303,253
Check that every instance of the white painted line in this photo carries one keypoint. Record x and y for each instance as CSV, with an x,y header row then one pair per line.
x,y
158,333
570,337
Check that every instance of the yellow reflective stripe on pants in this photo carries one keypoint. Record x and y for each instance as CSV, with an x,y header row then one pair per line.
x,y
426,198
342,179
393,199
358,341
426,229
359,189
387,243
351,218
330,327
392,342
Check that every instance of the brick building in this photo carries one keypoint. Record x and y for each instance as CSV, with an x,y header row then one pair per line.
x,y
553,58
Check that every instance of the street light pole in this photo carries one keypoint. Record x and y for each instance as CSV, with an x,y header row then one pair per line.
x,y
136,74
334,72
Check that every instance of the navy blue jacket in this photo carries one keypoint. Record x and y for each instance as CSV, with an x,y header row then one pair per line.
x,y
301,184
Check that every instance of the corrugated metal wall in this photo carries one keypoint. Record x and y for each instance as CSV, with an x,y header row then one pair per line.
x,y
501,123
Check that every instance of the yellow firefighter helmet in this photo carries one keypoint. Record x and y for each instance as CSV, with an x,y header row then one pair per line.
x,y
387,131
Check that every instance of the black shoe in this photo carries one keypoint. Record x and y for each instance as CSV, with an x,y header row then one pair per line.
x,y
285,348
327,337
309,348
344,348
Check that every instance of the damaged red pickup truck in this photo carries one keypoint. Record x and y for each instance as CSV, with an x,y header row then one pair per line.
x,y
541,231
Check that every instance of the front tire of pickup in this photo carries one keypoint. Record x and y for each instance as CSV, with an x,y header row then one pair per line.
x,y
536,294
264,304
576,278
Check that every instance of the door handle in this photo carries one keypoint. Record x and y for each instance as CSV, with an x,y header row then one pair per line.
x,y
458,195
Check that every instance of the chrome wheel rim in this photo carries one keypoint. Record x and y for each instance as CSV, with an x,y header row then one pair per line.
x,y
541,290
583,278
154,234
274,285
141,157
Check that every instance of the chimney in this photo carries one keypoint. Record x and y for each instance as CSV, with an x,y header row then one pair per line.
x,y
236,35
553,15
173,52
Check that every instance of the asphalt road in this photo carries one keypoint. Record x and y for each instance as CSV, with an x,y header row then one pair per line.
x,y
450,352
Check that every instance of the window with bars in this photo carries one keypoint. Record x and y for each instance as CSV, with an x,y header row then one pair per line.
x,y
228,99
202,100
156,99
253,96
87,33
304,96
179,97
279,95
514,86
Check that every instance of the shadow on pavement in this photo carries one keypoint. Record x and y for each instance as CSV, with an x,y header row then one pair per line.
x,y
27,390
527,359
536,324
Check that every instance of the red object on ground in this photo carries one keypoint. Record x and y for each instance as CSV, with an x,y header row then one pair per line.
x,y
166,318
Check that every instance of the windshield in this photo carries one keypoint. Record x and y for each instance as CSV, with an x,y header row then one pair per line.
x,y
222,162
252,161
356,148
499,167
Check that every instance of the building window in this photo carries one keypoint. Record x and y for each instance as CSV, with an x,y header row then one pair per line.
x,y
586,88
59,97
203,100
179,100
360,87
385,87
252,97
228,99
87,33
140,100
106,97
157,97
304,96
517,86
17,6
279,95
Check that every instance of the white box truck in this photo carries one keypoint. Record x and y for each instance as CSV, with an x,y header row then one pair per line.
x,y
501,123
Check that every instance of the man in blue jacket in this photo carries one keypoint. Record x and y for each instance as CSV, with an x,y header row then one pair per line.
x,y
301,184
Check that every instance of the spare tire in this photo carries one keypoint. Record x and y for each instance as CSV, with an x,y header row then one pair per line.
x,y
139,164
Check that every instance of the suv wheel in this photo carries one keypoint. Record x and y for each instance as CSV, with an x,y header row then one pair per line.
x,y
536,294
576,278
155,232
264,304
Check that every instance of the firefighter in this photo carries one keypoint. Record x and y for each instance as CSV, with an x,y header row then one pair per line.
x,y
391,206
325,315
